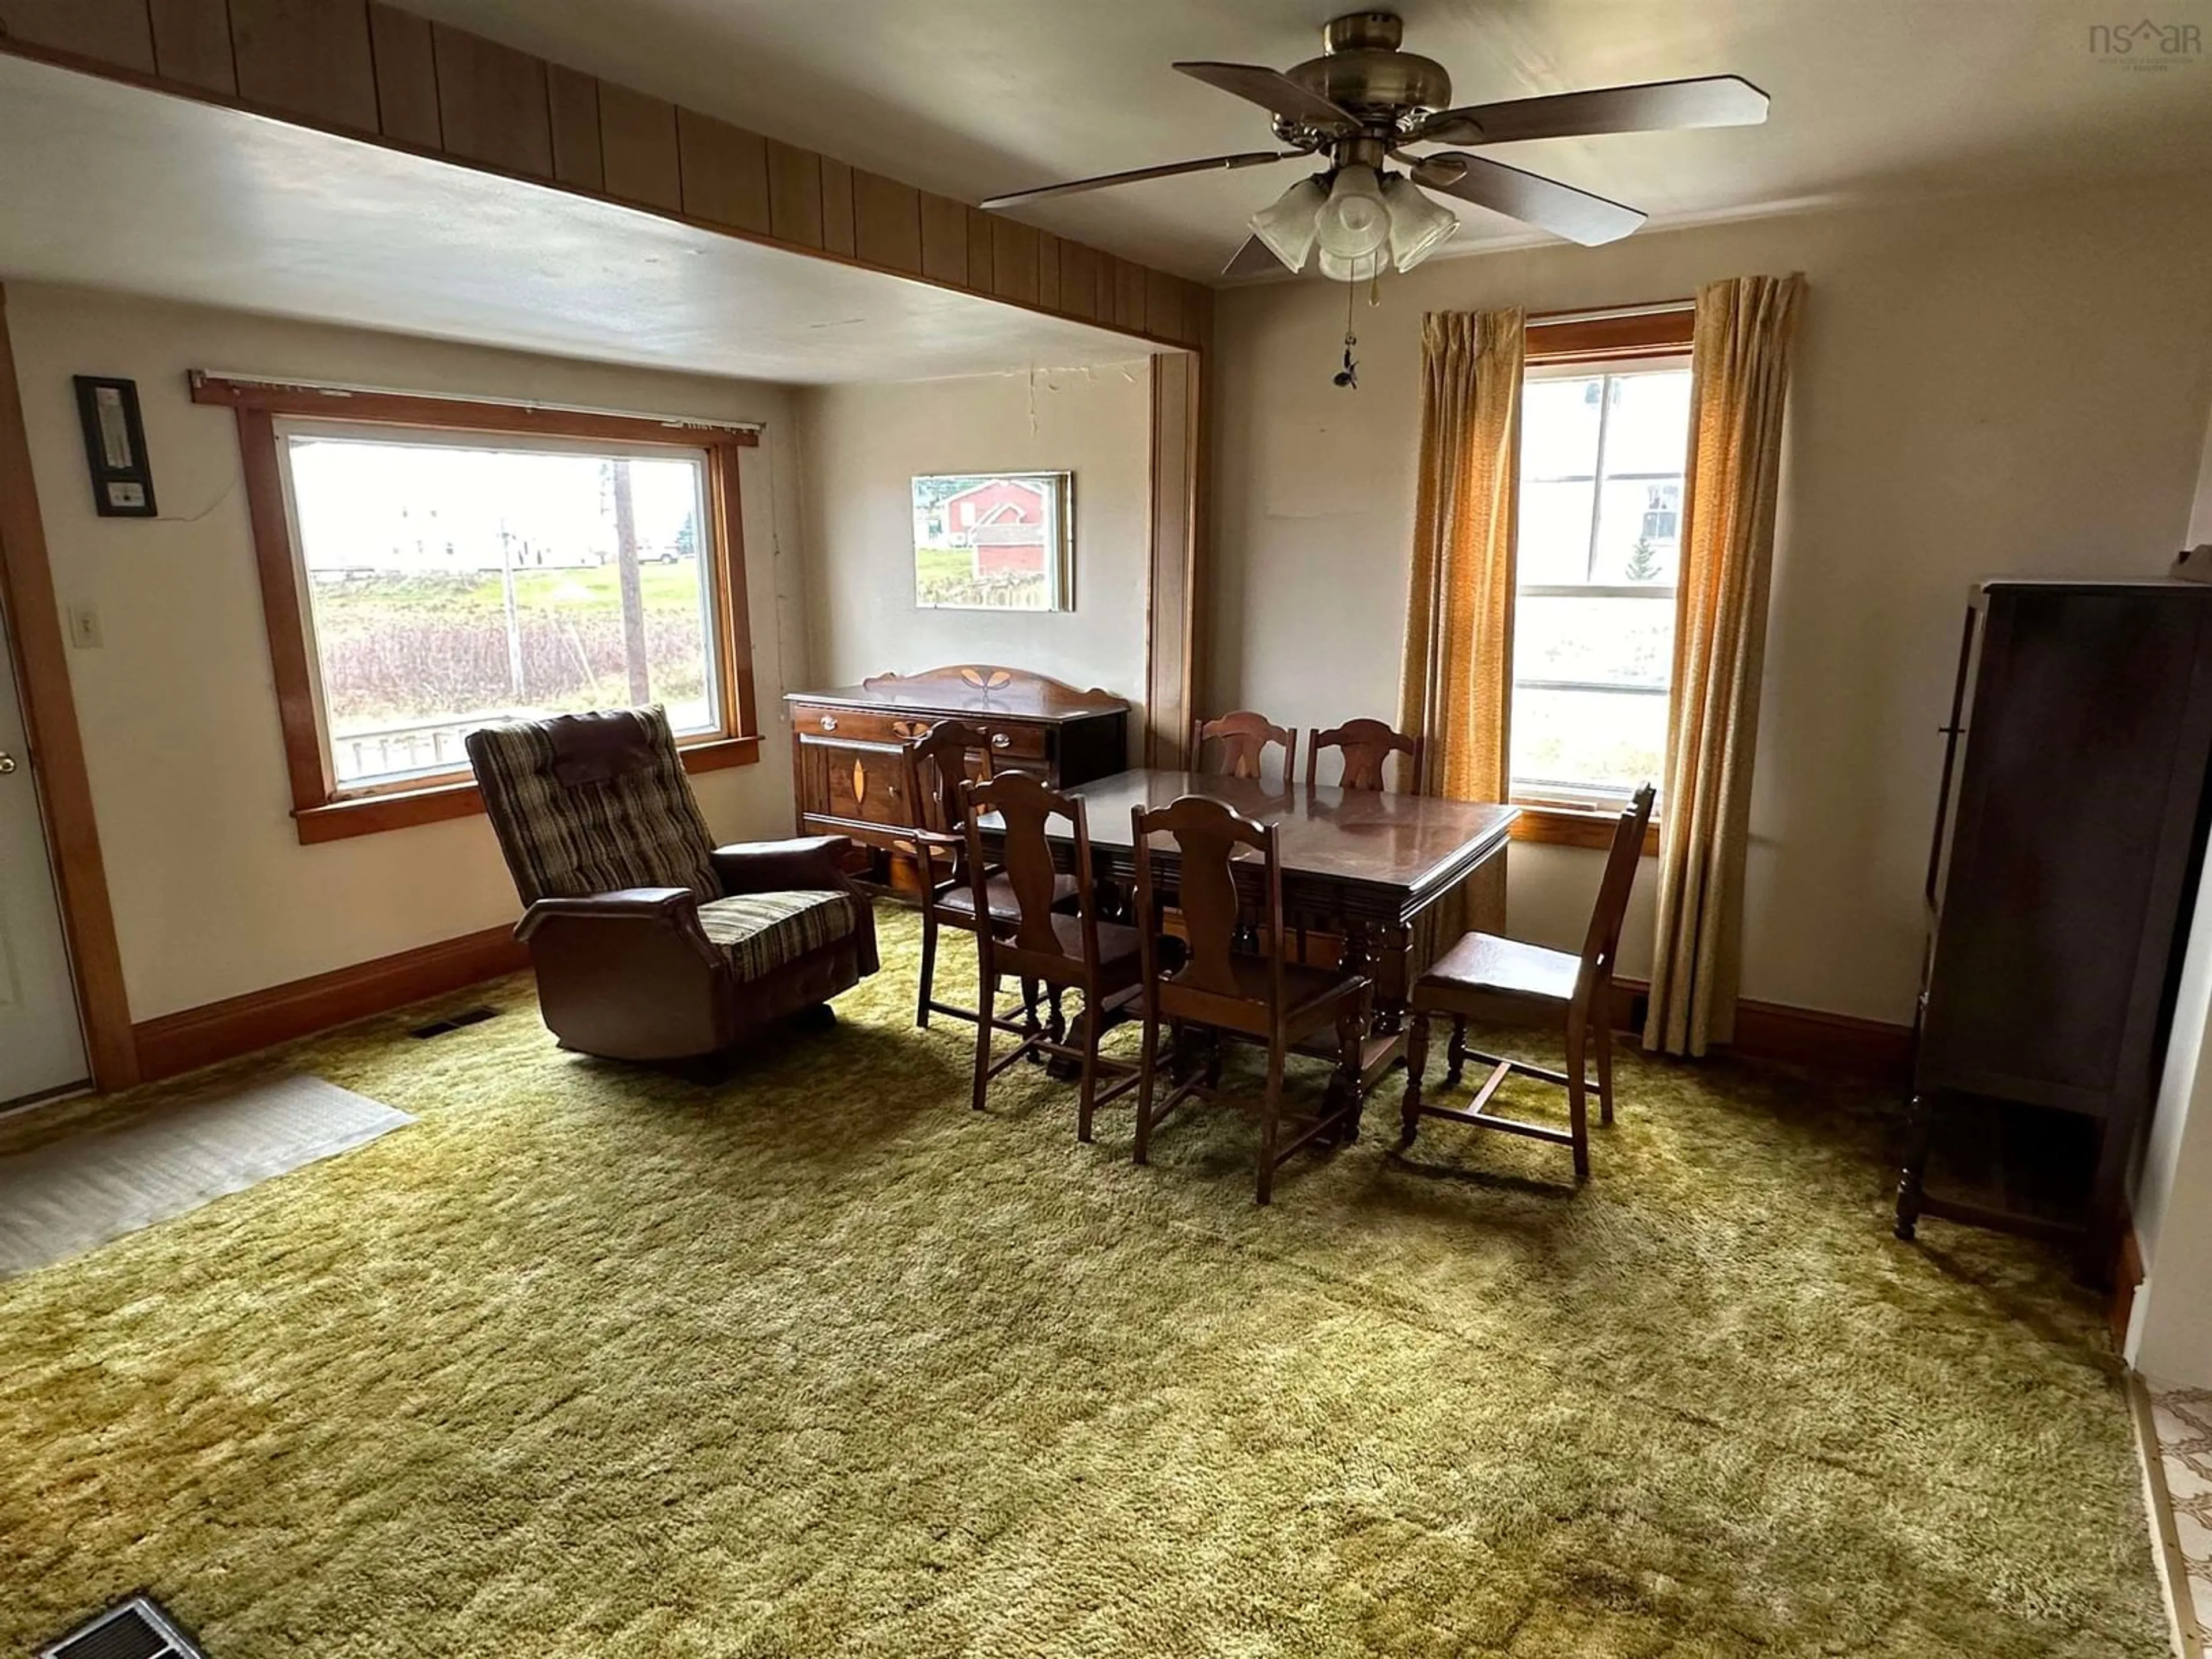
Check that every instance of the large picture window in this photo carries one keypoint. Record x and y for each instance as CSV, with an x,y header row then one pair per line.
x,y
450,583
430,567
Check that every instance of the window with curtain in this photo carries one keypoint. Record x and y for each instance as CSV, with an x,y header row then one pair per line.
x,y
1602,449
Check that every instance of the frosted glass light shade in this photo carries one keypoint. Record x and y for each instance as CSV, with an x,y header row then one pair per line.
x,y
1418,223
1287,225
1339,269
1353,223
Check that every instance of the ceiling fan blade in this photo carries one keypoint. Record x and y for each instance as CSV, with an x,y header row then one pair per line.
x,y
1273,92
1544,203
1715,100
1247,159
1255,259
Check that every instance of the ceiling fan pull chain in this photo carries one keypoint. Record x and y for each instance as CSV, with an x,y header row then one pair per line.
x,y
1348,376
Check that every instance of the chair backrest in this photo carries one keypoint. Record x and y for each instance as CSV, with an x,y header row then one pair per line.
x,y
586,803
1208,837
1026,806
1367,745
1602,944
1244,737
936,765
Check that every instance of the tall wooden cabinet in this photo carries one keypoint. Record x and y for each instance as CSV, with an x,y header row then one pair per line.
x,y
2068,839
847,771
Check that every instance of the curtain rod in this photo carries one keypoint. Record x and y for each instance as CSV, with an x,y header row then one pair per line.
x,y
337,391
1653,309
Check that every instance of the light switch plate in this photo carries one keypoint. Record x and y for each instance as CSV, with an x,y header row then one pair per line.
x,y
84,627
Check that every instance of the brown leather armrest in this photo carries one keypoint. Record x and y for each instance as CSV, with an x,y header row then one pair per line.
x,y
777,866
678,906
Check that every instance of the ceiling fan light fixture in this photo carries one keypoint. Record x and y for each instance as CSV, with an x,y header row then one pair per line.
x,y
1288,224
1356,269
1354,223
1419,224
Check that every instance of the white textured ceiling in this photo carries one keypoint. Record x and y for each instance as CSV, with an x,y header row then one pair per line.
x,y
974,97
103,185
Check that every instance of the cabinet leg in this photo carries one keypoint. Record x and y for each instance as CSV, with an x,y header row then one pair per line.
x,y
1919,1136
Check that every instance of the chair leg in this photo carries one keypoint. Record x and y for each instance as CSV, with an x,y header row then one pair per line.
x,y
1604,1069
1417,1061
1031,1025
1455,1056
1271,1113
1089,1096
1147,1067
987,984
1577,1105
928,964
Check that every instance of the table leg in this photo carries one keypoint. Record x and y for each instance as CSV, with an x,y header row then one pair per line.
x,y
1394,968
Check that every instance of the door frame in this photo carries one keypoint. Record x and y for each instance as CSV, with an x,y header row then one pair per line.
x,y
36,647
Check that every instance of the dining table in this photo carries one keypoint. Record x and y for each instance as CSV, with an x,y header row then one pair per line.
x,y
1359,866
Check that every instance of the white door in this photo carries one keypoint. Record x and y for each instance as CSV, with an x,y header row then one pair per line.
x,y
41,1047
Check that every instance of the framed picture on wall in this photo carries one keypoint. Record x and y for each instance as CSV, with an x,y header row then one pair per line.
x,y
994,541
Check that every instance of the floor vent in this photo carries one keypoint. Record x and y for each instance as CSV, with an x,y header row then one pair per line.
x,y
476,1016
135,1629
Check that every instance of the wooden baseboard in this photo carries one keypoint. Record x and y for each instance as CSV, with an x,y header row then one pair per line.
x,y
194,1037
1795,1036
223,1031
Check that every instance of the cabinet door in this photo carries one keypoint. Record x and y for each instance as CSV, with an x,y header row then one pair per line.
x,y
2077,819
860,783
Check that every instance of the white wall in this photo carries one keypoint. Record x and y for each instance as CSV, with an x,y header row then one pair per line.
x,y
213,894
862,446
1989,385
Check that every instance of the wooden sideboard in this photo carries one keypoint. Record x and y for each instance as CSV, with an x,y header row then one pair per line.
x,y
847,771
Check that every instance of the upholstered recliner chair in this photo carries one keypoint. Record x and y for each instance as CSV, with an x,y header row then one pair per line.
x,y
651,943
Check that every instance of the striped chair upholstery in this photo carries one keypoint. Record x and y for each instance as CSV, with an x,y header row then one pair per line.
x,y
628,821
763,931
586,803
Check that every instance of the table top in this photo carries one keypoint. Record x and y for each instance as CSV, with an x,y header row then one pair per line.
x,y
1411,842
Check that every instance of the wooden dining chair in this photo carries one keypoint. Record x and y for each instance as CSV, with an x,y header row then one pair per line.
x,y
1099,960
1245,738
1366,746
937,774
1260,996
1485,977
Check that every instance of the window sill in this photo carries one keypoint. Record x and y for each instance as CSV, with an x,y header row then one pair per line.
x,y
1588,827
370,815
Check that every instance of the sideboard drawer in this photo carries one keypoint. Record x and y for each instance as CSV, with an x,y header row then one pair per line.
x,y
855,725
1012,741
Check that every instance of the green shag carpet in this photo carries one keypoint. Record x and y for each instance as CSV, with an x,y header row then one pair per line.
x,y
593,1361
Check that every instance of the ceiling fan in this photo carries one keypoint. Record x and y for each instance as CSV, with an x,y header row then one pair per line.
x,y
1363,102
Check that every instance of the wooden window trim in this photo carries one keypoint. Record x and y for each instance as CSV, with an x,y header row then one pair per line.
x,y
1590,827
1660,330
321,812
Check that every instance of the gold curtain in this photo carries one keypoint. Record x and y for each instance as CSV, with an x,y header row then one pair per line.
x,y
1458,676
1739,375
